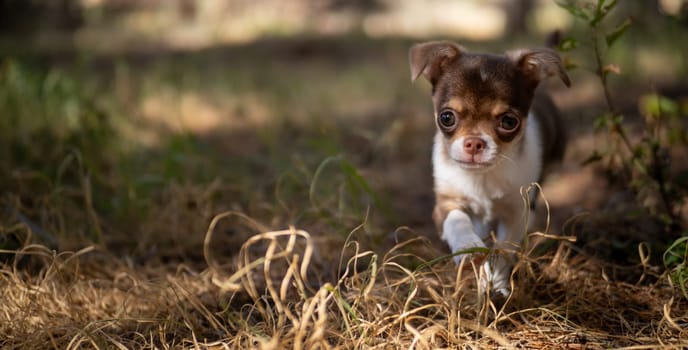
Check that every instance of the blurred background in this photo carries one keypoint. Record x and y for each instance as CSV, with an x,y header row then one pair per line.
x,y
131,124
112,26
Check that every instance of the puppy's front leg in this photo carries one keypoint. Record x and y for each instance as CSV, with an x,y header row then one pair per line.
x,y
458,232
498,268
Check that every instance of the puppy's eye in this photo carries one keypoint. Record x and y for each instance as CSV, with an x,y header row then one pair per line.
x,y
447,119
508,122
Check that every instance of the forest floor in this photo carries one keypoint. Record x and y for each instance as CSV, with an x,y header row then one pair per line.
x,y
278,194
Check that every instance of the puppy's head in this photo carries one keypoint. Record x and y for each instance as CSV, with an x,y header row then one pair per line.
x,y
481,101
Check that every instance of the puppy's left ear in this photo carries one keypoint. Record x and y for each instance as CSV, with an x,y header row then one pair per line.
x,y
538,64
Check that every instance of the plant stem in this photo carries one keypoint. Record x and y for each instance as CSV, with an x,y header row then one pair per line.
x,y
600,72
615,127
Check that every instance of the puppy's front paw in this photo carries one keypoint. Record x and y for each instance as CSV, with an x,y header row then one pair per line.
x,y
458,232
495,278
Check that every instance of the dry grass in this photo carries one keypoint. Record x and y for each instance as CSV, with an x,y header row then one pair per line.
x,y
270,299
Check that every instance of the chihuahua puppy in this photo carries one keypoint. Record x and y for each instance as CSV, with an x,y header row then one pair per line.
x,y
495,134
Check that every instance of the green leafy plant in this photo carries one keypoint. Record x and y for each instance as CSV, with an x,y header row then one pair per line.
x,y
644,163
676,262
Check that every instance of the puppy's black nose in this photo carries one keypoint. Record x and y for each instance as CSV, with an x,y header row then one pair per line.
x,y
473,145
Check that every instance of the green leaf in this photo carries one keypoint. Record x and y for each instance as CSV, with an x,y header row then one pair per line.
x,y
344,304
474,250
656,106
617,119
568,44
601,11
676,253
357,179
600,122
612,37
574,10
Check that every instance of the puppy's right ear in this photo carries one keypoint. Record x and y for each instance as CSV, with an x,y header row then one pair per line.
x,y
431,58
